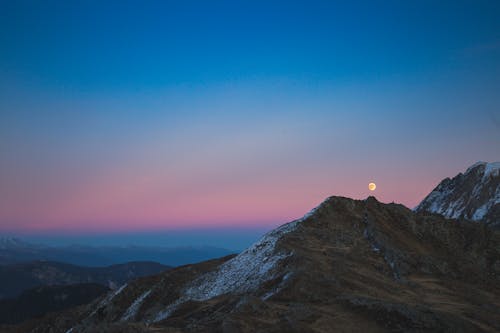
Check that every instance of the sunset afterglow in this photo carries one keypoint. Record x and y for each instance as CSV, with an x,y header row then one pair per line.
x,y
115,122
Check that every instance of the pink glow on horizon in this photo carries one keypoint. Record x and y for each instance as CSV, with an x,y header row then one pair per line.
x,y
112,203
234,179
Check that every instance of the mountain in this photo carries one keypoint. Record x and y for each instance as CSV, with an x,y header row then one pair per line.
x,y
13,250
13,243
473,195
18,277
347,266
41,300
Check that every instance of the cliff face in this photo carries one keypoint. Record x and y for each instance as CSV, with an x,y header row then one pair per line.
x,y
473,195
348,265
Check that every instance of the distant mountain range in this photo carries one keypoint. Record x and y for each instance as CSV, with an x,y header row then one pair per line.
x,y
14,250
16,278
346,266
36,279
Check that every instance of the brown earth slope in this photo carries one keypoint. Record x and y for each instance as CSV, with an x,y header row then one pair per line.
x,y
347,266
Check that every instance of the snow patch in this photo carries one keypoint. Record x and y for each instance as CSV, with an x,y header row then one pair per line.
x,y
491,170
280,287
270,294
244,273
437,202
484,209
477,190
475,165
480,212
437,199
454,209
390,258
134,307
108,299
164,314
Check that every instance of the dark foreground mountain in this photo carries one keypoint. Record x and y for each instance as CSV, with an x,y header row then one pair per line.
x,y
13,250
19,277
473,195
39,301
347,266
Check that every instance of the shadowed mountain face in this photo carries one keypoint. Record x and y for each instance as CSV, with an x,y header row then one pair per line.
x,y
348,265
19,277
473,195
41,300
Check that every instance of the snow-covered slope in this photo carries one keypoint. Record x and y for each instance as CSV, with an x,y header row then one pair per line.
x,y
244,273
473,195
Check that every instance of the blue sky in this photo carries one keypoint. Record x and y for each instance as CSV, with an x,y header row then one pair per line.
x,y
125,115
105,46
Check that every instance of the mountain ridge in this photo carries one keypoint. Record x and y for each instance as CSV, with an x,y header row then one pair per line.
x,y
473,195
349,265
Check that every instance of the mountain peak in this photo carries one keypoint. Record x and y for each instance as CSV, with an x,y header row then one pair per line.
x,y
473,195
246,272
487,169
371,198
475,166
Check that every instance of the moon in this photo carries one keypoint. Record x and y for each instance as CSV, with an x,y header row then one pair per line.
x,y
372,186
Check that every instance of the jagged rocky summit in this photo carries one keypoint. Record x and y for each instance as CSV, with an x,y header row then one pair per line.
x,y
473,195
347,266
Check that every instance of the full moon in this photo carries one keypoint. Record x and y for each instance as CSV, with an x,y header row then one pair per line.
x,y
372,186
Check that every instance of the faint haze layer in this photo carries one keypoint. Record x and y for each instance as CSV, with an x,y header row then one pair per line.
x,y
128,115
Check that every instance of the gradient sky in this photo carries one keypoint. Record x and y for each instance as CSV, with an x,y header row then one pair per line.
x,y
161,115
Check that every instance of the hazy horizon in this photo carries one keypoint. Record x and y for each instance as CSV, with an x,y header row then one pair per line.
x,y
227,238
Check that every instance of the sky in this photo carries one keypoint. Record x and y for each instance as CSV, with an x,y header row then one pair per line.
x,y
169,116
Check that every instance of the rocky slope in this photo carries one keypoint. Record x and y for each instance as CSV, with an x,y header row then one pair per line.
x,y
473,195
347,266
